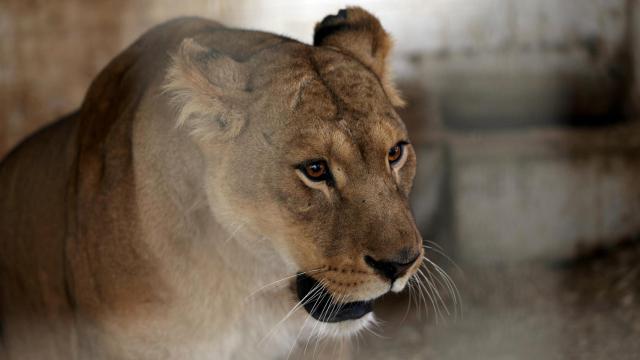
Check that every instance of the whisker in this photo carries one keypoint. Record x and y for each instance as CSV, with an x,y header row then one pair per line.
x,y
264,287
422,291
313,309
295,341
326,307
373,324
433,243
431,283
334,303
428,290
406,311
443,283
378,335
438,250
315,323
449,284
297,306
435,283
441,272
452,288
418,296
435,296
233,233
413,297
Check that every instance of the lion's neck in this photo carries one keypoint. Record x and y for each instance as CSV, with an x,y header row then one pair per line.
x,y
218,286
209,273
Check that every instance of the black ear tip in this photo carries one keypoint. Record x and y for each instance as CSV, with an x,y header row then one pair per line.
x,y
334,19
329,25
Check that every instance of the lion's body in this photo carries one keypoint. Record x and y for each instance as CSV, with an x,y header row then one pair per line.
x,y
33,183
115,244
72,219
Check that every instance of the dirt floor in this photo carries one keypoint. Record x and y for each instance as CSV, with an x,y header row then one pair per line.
x,y
588,308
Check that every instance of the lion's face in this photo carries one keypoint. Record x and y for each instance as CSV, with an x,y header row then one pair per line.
x,y
320,167
327,180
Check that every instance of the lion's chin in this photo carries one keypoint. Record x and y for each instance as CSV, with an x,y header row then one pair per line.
x,y
342,329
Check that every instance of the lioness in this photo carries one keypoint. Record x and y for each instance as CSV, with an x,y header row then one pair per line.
x,y
221,193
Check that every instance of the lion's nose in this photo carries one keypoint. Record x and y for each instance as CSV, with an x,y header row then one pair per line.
x,y
391,269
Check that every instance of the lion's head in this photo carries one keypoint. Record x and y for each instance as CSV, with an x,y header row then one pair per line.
x,y
305,150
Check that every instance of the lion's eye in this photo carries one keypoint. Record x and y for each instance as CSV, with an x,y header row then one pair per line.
x,y
316,170
395,153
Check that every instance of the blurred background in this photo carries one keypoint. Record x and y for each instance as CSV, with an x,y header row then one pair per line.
x,y
524,114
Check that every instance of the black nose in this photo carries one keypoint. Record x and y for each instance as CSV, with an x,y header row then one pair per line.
x,y
390,269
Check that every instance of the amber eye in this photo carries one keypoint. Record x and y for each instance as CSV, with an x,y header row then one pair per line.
x,y
395,153
316,170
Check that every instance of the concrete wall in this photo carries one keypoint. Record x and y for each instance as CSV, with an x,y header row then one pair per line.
x,y
50,51
541,195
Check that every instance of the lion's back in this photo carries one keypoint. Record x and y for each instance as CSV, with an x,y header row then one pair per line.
x,y
33,182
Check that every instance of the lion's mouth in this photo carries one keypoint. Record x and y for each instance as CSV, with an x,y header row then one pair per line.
x,y
321,306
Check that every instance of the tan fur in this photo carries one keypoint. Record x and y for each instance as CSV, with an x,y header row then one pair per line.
x,y
146,225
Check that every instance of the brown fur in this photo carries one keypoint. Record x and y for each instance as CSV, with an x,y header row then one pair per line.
x,y
140,226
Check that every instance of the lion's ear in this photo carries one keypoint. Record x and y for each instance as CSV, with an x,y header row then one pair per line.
x,y
358,33
208,88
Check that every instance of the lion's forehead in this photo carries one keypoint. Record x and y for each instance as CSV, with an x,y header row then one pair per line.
x,y
356,89
329,104
339,88
321,82
348,85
